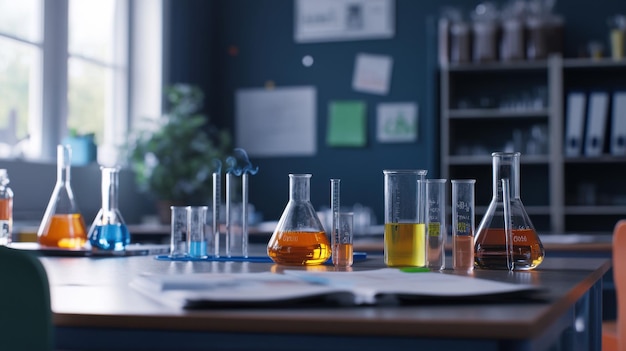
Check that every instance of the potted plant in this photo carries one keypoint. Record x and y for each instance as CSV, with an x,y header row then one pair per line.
x,y
172,157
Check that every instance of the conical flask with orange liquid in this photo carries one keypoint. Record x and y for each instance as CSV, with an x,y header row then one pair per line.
x,y
506,238
63,225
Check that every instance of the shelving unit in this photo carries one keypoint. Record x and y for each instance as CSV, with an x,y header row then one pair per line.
x,y
496,106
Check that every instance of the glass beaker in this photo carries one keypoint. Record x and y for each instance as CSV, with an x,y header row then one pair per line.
x,y
405,225
299,237
62,225
490,248
108,230
436,229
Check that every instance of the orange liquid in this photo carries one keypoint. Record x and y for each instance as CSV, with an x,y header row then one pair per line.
x,y
6,208
490,249
299,248
463,253
65,231
342,255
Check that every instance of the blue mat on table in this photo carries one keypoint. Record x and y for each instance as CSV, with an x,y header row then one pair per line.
x,y
357,256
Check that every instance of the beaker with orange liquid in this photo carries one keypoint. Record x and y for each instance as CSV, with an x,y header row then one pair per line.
x,y
63,225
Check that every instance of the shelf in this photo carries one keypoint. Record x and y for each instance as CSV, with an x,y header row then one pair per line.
x,y
470,160
498,66
530,210
595,210
593,63
595,159
497,113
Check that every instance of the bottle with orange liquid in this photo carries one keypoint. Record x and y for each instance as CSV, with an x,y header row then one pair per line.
x,y
506,238
63,225
6,209
299,238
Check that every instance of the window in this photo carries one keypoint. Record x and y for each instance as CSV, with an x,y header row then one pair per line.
x,y
68,65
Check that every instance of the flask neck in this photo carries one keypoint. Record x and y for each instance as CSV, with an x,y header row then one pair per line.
x,y
109,188
64,157
506,166
299,187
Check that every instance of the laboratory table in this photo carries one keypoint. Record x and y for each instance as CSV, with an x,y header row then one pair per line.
x,y
96,309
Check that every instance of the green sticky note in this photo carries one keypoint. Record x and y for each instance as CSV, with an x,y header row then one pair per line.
x,y
347,125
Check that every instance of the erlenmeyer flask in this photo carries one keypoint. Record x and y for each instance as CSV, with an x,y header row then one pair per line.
x,y
299,238
62,225
490,248
108,230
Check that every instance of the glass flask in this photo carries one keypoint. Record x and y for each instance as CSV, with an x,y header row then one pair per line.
x,y
108,230
63,225
299,238
491,248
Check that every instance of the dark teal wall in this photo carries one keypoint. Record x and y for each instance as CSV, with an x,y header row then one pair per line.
x,y
262,31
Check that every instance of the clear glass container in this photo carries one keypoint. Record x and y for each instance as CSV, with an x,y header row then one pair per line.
x,y
490,249
299,238
6,209
108,230
63,225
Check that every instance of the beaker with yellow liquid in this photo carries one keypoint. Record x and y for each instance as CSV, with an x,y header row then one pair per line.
x,y
63,225
506,237
299,238
405,225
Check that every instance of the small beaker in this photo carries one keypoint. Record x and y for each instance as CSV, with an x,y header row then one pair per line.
x,y
62,225
490,249
197,230
299,237
343,248
463,224
436,222
405,225
178,245
108,230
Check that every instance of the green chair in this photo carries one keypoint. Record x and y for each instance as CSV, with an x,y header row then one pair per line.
x,y
25,313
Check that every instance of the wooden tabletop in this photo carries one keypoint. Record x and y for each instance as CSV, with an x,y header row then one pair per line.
x,y
88,292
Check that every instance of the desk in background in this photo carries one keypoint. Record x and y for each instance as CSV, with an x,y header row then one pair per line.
x,y
95,308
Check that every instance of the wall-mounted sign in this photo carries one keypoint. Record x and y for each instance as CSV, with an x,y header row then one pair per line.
x,y
335,20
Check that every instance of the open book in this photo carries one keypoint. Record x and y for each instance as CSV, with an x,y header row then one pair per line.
x,y
302,288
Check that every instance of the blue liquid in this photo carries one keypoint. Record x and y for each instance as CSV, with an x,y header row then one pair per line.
x,y
197,249
110,237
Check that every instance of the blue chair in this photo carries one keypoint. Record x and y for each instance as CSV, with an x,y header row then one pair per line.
x,y
25,313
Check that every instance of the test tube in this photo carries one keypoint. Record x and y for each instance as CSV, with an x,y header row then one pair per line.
x,y
196,225
334,228
244,214
463,224
343,250
217,185
178,246
229,209
508,231
436,222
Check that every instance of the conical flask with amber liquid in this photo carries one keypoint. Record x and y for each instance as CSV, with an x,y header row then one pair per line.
x,y
63,225
299,238
506,238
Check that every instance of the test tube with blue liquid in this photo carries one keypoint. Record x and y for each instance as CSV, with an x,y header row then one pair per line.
x,y
108,230
197,227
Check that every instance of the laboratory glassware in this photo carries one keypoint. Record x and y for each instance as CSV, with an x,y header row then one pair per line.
x,y
436,230
299,237
108,230
62,225
178,245
197,227
490,248
463,224
343,250
6,209
335,205
405,225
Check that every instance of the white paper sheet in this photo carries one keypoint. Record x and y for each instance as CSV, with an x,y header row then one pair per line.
x,y
372,73
276,122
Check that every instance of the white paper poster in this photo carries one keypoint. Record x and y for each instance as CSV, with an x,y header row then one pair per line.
x,y
276,122
372,73
396,122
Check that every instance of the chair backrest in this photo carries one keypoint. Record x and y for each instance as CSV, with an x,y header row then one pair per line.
x,y
25,313
619,276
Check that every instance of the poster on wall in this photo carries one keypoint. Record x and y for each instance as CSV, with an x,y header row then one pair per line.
x,y
276,122
396,122
337,20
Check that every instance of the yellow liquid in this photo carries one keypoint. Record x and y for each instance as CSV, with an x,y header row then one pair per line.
x,y
342,255
299,248
405,244
66,231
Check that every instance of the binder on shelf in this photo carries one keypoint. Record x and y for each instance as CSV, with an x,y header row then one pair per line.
x,y
596,123
618,125
575,123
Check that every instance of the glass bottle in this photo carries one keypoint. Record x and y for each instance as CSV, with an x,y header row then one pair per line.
x,y
490,246
6,209
108,230
299,238
63,225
